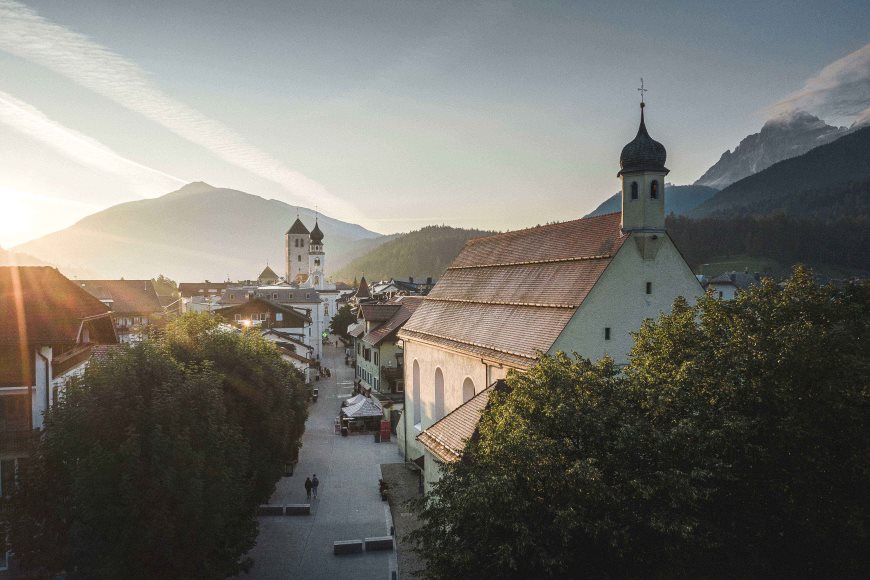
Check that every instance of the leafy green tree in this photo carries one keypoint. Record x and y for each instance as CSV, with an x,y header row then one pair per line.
x,y
263,393
153,462
139,474
342,319
736,443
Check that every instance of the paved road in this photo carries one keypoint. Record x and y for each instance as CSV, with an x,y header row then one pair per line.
x,y
348,507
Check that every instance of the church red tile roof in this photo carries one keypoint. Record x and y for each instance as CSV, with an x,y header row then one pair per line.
x,y
447,438
39,305
507,297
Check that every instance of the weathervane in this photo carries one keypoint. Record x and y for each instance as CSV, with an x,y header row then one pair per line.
x,y
641,90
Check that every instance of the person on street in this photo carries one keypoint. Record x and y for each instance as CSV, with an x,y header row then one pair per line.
x,y
308,486
314,483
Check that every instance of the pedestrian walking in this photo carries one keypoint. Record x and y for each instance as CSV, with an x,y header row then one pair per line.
x,y
308,486
314,483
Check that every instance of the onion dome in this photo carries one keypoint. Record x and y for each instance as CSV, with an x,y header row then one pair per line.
x,y
316,234
644,153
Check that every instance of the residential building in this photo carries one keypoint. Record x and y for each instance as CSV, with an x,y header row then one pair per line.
x,y
578,286
135,305
49,326
379,353
201,297
729,284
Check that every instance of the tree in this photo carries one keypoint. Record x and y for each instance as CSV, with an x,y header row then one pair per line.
x,y
165,286
264,394
342,319
736,443
152,463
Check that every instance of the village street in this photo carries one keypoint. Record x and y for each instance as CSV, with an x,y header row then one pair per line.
x,y
348,504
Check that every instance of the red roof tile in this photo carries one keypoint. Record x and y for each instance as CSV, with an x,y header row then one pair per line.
x,y
378,312
447,438
127,296
50,306
407,306
512,294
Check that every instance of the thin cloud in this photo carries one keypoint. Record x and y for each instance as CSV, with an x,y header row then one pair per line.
x,y
26,34
840,91
32,122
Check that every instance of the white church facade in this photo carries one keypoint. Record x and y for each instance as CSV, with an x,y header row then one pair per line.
x,y
305,265
580,286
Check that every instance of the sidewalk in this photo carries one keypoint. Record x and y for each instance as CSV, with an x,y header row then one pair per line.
x,y
348,504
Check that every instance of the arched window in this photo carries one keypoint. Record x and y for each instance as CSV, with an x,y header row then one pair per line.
x,y
439,395
418,404
654,189
467,389
633,190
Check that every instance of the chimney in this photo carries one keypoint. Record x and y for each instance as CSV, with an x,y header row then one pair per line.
x,y
411,279
429,280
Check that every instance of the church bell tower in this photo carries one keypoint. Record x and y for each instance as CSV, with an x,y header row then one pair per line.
x,y
643,172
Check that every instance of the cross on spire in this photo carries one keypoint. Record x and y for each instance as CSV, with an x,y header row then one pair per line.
x,y
641,90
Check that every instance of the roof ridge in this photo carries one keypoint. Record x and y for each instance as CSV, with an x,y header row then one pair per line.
x,y
492,348
527,304
539,227
532,262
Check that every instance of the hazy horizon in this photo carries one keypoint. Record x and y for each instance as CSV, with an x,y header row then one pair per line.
x,y
396,116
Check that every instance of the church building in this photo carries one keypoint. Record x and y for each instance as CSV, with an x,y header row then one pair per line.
x,y
578,286
305,265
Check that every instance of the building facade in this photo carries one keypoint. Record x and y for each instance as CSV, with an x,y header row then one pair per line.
x,y
580,286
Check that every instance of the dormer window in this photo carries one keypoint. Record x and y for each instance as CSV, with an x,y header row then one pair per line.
x,y
654,189
633,190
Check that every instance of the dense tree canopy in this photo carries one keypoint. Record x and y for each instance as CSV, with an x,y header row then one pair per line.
x,y
736,443
152,463
342,319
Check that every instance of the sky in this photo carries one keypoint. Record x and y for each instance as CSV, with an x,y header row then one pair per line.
x,y
396,115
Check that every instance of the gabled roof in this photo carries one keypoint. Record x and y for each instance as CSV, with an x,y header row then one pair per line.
x,y
378,312
190,289
127,296
298,228
507,297
39,305
247,308
363,290
365,408
407,306
446,439
267,274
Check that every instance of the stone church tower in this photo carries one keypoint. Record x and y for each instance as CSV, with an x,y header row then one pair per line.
x,y
296,242
316,259
643,174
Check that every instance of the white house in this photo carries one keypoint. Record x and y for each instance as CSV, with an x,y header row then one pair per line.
x,y
578,286
49,327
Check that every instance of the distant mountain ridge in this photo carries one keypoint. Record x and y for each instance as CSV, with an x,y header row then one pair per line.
x,y
779,139
679,199
195,233
832,180
419,254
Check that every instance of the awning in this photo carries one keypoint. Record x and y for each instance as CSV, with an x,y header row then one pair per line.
x,y
363,409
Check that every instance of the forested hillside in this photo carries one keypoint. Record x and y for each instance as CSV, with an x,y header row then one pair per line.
x,y
839,242
419,254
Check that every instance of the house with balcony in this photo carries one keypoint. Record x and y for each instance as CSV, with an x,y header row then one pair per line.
x,y
135,305
379,352
49,326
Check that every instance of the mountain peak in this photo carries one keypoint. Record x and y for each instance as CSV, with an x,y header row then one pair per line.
x,y
195,187
783,137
